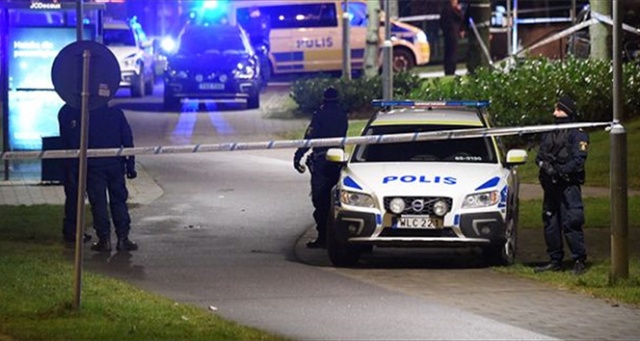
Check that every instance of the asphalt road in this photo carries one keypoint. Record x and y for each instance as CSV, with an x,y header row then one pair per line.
x,y
227,235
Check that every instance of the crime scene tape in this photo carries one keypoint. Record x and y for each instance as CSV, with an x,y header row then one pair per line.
x,y
308,143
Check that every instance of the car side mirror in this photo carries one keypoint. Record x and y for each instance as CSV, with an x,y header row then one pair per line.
x,y
337,155
516,157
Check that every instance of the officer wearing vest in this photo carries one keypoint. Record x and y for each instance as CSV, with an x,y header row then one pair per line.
x,y
329,121
108,128
561,158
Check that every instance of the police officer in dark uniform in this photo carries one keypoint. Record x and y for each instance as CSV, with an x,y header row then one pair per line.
x,y
327,122
451,23
561,158
108,128
70,183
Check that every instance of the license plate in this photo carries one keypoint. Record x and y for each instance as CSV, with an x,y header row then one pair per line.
x,y
211,86
418,222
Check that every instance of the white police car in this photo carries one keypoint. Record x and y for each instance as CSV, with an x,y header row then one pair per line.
x,y
446,192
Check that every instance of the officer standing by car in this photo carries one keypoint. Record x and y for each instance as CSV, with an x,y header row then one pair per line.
x,y
108,128
561,158
327,122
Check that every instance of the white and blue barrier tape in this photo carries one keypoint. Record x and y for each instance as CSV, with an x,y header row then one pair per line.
x,y
310,143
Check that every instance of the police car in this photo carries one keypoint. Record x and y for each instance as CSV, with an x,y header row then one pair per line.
x,y
426,192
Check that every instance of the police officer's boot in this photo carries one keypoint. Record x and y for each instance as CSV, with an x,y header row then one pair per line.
x,y
124,244
553,265
102,245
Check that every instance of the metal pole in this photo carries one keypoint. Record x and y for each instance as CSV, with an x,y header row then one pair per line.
x,y
346,43
509,26
514,28
619,204
82,177
4,87
79,16
573,22
387,57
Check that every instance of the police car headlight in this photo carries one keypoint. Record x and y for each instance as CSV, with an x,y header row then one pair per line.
x,y
421,37
356,199
396,205
178,74
485,199
129,62
440,208
244,71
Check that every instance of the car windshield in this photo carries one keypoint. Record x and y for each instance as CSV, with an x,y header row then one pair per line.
x,y
119,37
210,41
476,150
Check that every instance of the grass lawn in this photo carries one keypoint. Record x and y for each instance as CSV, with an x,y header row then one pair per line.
x,y
36,294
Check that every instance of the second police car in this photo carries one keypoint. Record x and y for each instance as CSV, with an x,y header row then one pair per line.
x,y
445,192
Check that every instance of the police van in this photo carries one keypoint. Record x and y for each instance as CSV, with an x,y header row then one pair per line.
x,y
438,192
306,36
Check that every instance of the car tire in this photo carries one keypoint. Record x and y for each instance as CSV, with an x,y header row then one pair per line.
x,y
137,86
504,252
402,60
171,102
253,102
148,86
340,252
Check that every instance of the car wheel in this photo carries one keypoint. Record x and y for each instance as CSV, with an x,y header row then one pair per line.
x,y
137,87
171,102
504,252
148,86
402,60
253,102
340,252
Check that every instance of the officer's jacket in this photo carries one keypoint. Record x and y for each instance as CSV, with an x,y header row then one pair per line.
x,y
566,151
329,121
108,128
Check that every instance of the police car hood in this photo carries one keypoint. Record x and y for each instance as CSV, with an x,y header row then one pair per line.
x,y
123,52
421,178
209,61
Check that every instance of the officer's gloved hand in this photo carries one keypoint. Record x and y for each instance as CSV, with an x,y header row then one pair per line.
x,y
548,168
130,166
298,166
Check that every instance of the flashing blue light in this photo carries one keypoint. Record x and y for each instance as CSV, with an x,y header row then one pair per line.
x,y
168,44
407,103
212,4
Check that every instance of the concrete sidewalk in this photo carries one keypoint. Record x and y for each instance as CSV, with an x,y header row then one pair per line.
x,y
143,190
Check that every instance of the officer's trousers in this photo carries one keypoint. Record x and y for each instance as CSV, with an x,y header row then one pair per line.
x,y
323,177
108,179
563,216
70,184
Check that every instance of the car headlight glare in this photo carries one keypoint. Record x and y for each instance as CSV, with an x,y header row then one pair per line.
x,y
485,199
244,71
421,37
396,205
440,208
356,199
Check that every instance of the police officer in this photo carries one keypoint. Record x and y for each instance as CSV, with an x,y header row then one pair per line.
x,y
451,23
561,158
69,140
108,128
327,122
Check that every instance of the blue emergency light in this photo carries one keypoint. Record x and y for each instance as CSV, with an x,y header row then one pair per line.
x,y
377,103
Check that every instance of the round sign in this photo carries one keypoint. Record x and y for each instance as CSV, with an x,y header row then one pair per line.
x,y
104,74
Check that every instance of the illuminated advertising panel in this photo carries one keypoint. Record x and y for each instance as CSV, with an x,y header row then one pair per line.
x,y
33,104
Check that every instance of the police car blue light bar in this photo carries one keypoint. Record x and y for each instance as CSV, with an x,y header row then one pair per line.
x,y
407,103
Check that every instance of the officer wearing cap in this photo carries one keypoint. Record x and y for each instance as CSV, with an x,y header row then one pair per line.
x,y
327,122
561,158
108,128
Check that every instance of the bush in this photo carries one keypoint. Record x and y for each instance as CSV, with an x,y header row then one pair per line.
x,y
526,94
354,95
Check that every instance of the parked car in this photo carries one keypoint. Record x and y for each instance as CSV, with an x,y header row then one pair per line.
x,y
212,62
134,52
442,193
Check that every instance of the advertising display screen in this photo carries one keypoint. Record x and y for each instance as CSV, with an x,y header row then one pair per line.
x,y
33,104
